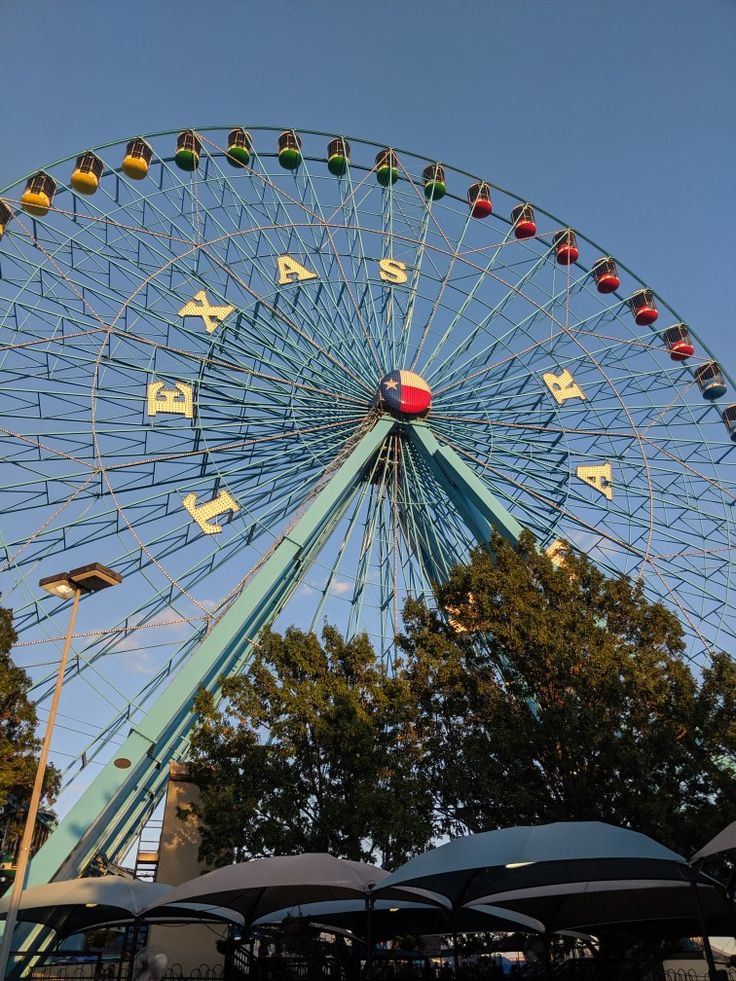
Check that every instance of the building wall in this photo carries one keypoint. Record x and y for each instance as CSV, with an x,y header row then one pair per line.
x,y
188,944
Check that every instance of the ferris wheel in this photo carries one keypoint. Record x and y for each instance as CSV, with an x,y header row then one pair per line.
x,y
281,377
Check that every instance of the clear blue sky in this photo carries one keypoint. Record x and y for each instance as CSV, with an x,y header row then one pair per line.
x,y
617,117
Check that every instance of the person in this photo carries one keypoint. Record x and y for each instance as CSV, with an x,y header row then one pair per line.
x,y
264,968
152,967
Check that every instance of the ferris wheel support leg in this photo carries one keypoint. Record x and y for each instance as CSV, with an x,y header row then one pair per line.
x,y
482,512
107,816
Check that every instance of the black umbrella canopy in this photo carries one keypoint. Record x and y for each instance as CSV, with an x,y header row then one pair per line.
x,y
391,917
467,869
656,908
280,882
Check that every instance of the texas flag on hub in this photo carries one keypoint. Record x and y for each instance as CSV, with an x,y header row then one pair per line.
x,y
405,393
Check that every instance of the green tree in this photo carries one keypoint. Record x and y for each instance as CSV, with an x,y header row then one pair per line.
x,y
313,749
18,743
555,693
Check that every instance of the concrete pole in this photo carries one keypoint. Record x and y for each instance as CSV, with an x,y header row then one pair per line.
x,y
30,826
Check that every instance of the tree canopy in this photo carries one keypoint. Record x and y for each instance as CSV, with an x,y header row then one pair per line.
x,y
534,691
18,743
314,750
554,693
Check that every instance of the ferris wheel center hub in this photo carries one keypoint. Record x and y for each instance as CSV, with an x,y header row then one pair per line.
x,y
404,394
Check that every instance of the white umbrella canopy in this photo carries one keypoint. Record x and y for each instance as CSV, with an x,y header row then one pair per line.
x,y
79,904
724,841
465,870
279,882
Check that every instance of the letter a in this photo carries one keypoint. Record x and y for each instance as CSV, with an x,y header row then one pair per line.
x,y
291,271
392,271
562,386
200,306
601,478
210,509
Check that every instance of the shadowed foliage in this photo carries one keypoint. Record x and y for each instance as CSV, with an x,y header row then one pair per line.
x,y
536,691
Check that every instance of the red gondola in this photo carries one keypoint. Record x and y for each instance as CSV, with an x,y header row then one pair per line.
x,y
522,218
678,341
644,308
566,247
606,275
479,199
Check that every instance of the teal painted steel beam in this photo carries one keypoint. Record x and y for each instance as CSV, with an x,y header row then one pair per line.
x,y
109,812
482,512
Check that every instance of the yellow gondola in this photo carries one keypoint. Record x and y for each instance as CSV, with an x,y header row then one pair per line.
x,y
137,159
5,215
38,195
87,173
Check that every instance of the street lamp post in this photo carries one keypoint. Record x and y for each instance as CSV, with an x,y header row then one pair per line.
x,y
67,585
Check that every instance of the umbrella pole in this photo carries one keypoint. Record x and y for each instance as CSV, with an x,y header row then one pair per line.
x,y
455,959
369,904
133,945
547,955
708,950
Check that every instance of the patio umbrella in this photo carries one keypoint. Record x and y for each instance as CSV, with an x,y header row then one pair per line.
x,y
392,917
80,904
468,869
664,908
724,841
280,882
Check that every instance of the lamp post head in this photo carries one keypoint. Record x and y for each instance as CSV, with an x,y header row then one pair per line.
x,y
60,585
87,579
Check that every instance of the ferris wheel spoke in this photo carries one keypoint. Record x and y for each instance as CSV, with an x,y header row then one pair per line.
x,y
364,309
459,316
222,231
323,352
346,535
376,485
419,246
431,550
543,311
455,248
281,200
